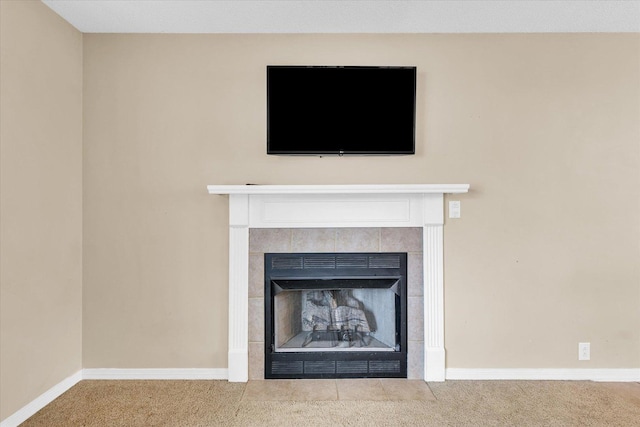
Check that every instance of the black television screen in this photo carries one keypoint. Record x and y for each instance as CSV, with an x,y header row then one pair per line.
x,y
340,110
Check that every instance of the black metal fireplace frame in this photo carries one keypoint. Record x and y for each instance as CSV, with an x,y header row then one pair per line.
x,y
321,271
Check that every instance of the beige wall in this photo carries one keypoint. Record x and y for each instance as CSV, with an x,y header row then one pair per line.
x,y
543,127
41,202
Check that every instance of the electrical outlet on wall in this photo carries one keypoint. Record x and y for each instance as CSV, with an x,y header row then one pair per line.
x,y
584,351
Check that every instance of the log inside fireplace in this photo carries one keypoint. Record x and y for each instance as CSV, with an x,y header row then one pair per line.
x,y
335,315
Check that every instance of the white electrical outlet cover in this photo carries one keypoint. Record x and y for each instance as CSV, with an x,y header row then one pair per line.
x,y
584,351
454,209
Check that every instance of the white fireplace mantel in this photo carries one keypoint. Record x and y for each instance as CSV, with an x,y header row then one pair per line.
x,y
340,189
335,206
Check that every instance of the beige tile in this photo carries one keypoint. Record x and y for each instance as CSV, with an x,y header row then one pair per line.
x,y
401,239
291,390
415,360
401,389
256,275
415,318
256,319
313,240
256,361
360,389
358,240
268,390
415,274
314,390
269,240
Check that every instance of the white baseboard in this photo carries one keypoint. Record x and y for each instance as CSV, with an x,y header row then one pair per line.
x,y
41,401
613,375
155,374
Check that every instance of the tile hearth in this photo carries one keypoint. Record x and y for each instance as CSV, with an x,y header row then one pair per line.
x,y
343,389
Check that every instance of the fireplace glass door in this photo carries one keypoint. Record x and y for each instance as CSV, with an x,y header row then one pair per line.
x,y
338,315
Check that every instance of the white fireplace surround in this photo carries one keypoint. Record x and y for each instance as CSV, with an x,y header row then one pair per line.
x,y
335,206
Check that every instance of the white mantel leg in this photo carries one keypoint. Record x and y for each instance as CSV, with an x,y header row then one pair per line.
x,y
433,263
434,353
238,288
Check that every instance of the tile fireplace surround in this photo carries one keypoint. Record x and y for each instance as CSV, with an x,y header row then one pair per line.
x,y
337,207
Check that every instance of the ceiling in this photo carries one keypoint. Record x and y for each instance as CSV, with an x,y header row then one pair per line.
x,y
347,16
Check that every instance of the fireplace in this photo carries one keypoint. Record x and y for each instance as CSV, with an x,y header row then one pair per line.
x,y
337,206
335,315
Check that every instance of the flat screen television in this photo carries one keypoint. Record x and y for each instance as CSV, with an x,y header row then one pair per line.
x,y
348,110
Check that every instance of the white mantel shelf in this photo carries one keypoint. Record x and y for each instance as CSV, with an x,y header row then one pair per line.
x,y
334,206
340,189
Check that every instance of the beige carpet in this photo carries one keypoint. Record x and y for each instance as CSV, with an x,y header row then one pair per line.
x,y
454,403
